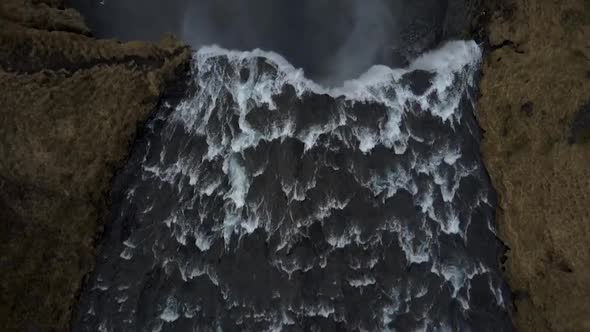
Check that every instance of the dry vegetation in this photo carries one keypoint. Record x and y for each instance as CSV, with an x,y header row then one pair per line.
x,y
69,108
534,109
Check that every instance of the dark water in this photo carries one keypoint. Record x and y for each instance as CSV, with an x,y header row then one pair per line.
x,y
266,202
332,40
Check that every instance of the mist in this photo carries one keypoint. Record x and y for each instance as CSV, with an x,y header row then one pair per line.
x,y
332,40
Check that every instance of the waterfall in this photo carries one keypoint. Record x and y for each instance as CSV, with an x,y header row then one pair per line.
x,y
265,201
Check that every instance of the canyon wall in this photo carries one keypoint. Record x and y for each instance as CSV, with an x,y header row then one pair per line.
x,y
535,111
69,109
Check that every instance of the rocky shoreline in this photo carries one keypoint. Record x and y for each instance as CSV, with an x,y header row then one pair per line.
x,y
70,106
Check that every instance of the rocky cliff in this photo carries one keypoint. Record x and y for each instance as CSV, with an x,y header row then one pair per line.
x,y
534,109
69,108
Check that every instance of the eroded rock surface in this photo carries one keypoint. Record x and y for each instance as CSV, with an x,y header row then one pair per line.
x,y
534,83
69,107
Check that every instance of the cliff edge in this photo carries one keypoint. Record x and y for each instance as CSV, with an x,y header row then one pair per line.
x,y
69,109
535,110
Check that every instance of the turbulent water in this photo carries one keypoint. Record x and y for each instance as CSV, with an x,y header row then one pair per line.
x,y
264,201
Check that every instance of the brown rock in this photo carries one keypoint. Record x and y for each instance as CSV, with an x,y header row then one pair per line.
x,y
540,50
46,15
69,108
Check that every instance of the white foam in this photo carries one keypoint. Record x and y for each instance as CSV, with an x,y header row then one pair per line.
x,y
122,299
126,254
364,281
222,88
238,179
372,86
324,211
319,310
127,243
210,187
450,58
455,275
497,291
390,312
395,179
415,251
170,313
202,241
451,157
451,224
103,327
190,310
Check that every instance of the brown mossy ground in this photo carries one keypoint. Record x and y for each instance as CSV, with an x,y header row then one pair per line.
x,y
536,81
69,109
